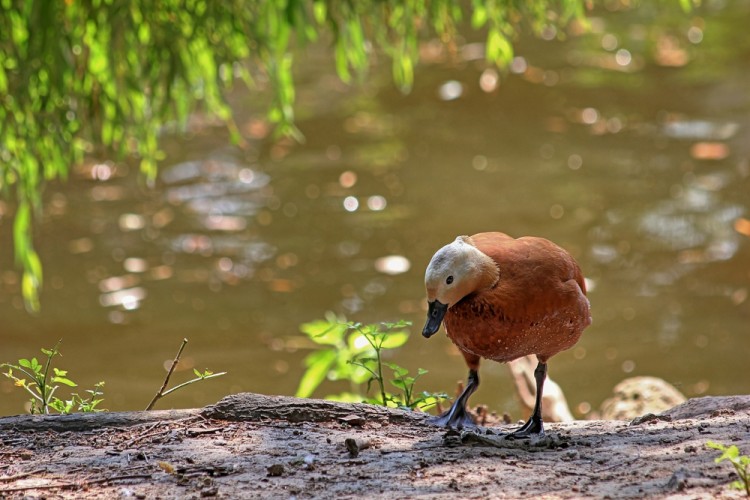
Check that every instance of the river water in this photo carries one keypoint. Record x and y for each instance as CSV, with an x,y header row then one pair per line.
x,y
627,145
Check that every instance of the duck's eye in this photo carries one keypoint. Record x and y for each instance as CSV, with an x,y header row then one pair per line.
x,y
449,280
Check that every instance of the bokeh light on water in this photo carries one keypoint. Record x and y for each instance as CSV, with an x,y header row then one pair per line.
x,y
627,145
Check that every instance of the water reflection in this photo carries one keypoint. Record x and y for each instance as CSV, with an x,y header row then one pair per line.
x,y
205,209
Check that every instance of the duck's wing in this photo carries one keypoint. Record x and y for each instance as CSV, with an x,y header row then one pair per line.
x,y
536,275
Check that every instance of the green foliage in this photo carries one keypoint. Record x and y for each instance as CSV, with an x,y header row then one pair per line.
x,y
105,76
741,464
354,352
36,379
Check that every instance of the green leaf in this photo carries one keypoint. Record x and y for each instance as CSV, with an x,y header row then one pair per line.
x,y
21,228
345,397
356,374
25,363
29,290
64,381
359,343
324,332
479,14
730,453
399,324
687,6
320,11
318,363
400,384
355,325
3,79
34,265
398,371
363,360
499,49
394,339
737,485
342,62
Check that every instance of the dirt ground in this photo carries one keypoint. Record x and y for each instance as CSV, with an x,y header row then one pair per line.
x,y
253,446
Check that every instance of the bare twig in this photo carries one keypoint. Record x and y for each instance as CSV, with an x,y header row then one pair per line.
x,y
192,381
76,485
200,376
130,443
4,479
160,393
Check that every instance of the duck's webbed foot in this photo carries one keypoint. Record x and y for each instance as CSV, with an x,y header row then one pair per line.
x,y
457,416
534,426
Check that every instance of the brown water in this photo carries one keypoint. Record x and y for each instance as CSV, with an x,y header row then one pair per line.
x,y
628,146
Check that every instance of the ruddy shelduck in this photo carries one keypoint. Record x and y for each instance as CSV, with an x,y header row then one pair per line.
x,y
502,298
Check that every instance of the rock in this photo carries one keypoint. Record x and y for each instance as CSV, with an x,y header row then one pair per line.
x,y
704,407
637,396
275,470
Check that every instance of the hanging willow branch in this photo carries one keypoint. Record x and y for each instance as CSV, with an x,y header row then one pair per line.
x,y
76,77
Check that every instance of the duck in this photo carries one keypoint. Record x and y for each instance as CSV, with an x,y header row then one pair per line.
x,y
502,298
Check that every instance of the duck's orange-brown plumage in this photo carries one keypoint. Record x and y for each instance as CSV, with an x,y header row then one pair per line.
x,y
537,306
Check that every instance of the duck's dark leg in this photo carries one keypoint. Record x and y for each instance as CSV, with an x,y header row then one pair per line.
x,y
457,416
534,425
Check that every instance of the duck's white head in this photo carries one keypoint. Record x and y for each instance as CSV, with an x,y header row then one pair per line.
x,y
455,271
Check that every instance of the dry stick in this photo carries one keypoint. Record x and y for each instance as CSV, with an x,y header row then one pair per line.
x,y
145,436
77,485
160,393
149,434
4,479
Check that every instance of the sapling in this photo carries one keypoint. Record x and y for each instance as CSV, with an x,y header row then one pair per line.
x,y
741,464
355,352
35,377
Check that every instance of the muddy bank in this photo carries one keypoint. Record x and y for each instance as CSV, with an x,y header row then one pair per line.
x,y
249,445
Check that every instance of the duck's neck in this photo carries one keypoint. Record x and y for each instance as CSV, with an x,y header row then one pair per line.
x,y
487,273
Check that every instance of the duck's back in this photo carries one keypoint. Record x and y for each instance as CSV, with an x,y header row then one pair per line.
x,y
538,305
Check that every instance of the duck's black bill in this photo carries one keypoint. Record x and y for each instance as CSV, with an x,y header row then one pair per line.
x,y
435,312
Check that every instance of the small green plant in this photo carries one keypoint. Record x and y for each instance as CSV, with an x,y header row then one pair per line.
x,y
35,377
163,391
741,464
403,381
78,403
354,352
